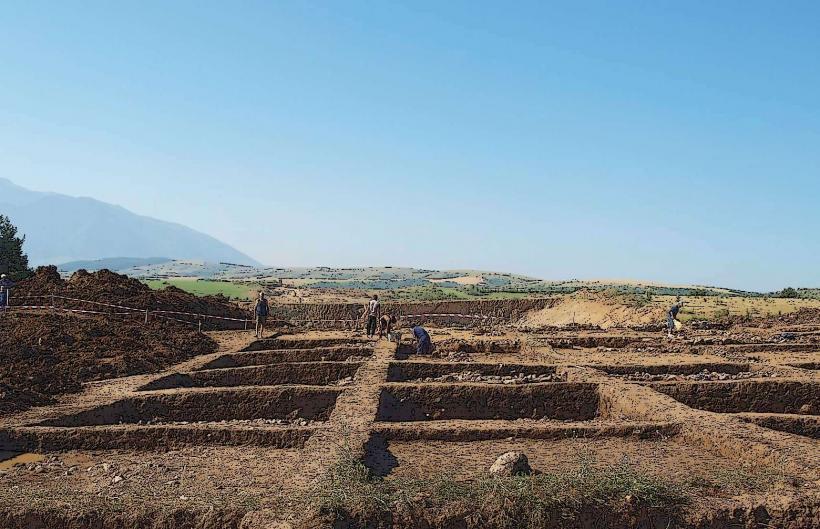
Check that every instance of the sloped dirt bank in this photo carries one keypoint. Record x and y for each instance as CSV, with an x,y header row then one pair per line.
x,y
258,358
501,310
269,403
319,373
746,396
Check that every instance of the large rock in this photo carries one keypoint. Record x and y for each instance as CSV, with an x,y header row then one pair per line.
x,y
511,464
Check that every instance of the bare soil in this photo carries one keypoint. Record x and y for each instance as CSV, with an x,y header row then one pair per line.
x,y
46,355
245,436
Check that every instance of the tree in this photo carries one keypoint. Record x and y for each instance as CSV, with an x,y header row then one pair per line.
x,y
788,292
12,259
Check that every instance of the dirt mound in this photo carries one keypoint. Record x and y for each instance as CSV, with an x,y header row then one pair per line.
x,y
105,286
45,355
597,309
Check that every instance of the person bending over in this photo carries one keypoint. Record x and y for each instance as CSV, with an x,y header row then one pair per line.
x,y
424,346
672,317
386,323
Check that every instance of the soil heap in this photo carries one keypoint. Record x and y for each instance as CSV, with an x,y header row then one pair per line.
x,y
105,286
48,354
597,309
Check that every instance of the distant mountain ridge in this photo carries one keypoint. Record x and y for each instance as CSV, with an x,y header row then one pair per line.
x,y
61,228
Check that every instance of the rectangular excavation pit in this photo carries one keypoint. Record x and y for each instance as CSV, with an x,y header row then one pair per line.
x,y
432,402
301,373
454,345
268,344
472,372
764,396
814,366
159,437
314,404
590,341
730,368
259,358
804,425
772,347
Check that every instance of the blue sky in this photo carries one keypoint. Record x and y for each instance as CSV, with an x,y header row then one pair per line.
x,y
667,141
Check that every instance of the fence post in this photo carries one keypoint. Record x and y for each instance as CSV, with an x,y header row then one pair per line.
x,y
246,324
146,316
200,325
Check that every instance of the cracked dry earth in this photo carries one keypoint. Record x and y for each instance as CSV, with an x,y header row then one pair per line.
x,y
238,438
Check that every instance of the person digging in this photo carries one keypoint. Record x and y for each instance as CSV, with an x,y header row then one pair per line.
x,y
672,323
386,323
261,311
424,346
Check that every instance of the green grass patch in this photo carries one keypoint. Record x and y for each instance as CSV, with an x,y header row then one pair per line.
x,y
207,287
550,499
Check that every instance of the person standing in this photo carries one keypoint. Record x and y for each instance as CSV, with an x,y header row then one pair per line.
x,y
5,291
261,311
672,317
424,345
374,313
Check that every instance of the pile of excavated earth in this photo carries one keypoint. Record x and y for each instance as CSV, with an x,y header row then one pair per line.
x,y
505,425
108,287
47,354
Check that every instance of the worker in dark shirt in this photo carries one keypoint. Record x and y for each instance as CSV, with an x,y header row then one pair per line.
x,y
5,291
261,311
672,317
424,346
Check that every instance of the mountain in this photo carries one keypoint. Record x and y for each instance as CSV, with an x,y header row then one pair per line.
x,y
60,228
111,263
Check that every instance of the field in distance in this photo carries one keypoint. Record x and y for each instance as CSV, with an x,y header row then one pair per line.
x,y
327,285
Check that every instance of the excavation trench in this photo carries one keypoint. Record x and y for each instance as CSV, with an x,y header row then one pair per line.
x,y
278,343
259,358
589,342
413,371
746,396
159,437
478,346
433,402
310,374
807,365
805,425
247,404
675,369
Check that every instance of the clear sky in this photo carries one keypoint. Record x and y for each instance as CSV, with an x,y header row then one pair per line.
x,y
668,141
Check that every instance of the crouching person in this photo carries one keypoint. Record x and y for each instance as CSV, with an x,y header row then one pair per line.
x,y
424,346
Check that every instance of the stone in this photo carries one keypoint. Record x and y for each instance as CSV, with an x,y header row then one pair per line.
x,y
511,464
